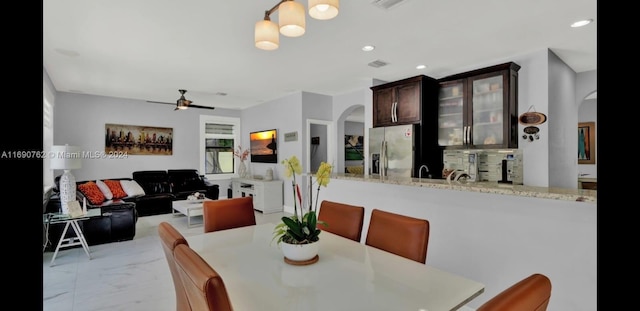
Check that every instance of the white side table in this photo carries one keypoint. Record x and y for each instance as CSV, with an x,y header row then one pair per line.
x,y
73,222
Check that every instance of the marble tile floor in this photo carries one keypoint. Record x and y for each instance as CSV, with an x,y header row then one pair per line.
x,y
128,275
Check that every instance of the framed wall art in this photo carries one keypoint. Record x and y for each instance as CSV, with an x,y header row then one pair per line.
x,y
353,147
138,140
587,143
264,146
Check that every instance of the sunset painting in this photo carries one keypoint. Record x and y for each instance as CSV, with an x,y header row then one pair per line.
x,y
264,146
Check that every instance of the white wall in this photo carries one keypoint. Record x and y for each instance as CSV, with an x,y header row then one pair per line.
x,y
533,90
563,142
494,239
80,121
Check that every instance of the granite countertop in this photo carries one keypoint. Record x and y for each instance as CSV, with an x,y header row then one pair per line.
x,y
580,195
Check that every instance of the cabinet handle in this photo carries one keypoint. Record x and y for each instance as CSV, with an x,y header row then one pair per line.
x,y
468,134
392,107
395,112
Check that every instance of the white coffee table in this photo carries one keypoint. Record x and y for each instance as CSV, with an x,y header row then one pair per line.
x,y
188,208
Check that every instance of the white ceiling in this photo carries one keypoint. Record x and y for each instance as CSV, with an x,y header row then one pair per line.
x,y
148,49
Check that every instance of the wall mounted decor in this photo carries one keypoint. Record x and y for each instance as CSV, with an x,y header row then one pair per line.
x,y
264,146
138,140
530,119
587,143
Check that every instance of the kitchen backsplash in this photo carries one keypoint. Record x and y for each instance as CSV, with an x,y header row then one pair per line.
x,y
489,163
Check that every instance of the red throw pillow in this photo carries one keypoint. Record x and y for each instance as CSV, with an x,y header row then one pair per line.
x,y
92,192
116,188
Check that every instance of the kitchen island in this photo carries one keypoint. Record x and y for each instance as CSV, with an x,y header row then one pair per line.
x,y
580,195
496,234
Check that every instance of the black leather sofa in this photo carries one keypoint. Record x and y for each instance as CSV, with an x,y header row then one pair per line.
x,y
116,223
163,187
186,182
158,196
119,217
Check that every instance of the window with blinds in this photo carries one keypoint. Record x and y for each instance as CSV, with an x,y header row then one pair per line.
x,y
220,139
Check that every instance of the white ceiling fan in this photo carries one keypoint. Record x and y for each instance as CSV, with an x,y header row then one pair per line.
x,y
182,103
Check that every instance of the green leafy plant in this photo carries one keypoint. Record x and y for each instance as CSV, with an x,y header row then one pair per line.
x,y
301,227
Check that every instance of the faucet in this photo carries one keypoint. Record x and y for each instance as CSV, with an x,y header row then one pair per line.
x,y
420,171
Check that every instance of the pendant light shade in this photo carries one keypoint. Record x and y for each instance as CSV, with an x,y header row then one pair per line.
x,y
323,9
266,35
291,21
291,18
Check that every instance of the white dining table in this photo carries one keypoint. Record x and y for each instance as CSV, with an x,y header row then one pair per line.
x,y
348,275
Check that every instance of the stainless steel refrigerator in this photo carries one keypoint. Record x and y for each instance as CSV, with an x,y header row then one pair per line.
x,y
394,151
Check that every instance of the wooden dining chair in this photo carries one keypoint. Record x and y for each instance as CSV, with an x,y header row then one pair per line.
x,y
170,238
529,294
399,234
204,287
342,219
228,213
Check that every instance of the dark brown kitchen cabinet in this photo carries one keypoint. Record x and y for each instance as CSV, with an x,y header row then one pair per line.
x,y
479,109
402,102
412,100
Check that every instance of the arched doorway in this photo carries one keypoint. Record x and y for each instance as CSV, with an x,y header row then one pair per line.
x,y
351,131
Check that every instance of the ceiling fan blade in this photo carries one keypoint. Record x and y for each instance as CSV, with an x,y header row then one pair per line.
x,y
155,102
182,103
201,107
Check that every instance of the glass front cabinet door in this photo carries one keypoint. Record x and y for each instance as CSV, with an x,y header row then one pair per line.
x,y
478,109
451,114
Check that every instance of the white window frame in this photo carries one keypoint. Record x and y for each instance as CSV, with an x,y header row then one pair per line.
x,y
237,132
47,137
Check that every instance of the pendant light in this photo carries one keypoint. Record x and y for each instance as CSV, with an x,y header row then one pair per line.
x,y
323,9
291,19
266,34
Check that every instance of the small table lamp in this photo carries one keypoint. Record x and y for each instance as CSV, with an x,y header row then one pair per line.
x,y
66,158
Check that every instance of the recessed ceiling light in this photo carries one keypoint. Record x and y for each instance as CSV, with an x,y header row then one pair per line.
x,y
421,67
368,48
581,23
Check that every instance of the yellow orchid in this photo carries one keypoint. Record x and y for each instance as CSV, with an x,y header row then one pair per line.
x,y
323,175
301,228
292,166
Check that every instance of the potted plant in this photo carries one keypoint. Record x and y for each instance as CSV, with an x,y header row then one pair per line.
x,y
297,235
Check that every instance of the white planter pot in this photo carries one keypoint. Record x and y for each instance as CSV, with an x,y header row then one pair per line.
x,y
300,252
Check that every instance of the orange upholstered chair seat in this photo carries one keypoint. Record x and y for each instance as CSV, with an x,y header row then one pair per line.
x,y
204,287
228,214
170,238
342,219
399,234
530,294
